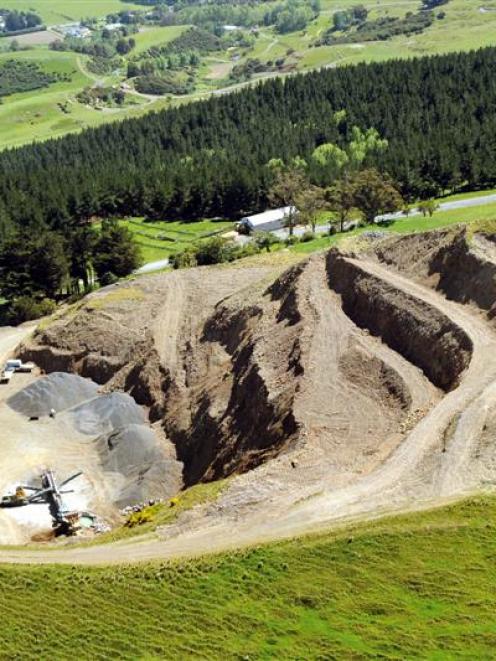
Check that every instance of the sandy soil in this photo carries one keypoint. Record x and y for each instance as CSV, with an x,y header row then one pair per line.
x,y
349,386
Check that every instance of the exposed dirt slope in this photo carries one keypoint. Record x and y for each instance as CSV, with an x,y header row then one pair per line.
x,y
346,386
462,269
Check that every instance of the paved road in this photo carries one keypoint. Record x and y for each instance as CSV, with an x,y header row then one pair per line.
x,y
153,266
399,215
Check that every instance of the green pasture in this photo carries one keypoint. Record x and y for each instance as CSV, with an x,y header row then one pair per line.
x,y
28,116
416,586
155,36
160,239
58,12
463,28
37,116
472,215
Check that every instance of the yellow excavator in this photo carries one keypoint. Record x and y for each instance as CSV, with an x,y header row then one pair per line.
x,y
16,499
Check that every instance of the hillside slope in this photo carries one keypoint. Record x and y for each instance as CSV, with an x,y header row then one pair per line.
x,y
417,586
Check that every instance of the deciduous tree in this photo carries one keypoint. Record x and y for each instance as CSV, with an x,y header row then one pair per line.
x,y
288,184
375,194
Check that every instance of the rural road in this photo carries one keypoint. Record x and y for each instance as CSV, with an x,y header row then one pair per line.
x,y
10,337
153,266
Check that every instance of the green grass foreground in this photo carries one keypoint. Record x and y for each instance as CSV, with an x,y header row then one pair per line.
x,y
413,586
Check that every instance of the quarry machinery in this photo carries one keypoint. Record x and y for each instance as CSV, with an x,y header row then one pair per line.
x,y
64,521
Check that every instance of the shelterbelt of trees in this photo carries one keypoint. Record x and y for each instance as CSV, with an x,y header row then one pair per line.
x,y
210,158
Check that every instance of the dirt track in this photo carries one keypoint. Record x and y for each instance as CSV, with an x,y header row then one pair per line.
x,y
373,433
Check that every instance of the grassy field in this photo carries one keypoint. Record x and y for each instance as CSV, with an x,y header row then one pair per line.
x,y
57,12
465,27
414,586
37,116
156,36
158,240
440,219
24,117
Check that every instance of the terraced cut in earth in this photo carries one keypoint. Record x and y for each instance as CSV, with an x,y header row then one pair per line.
x,y
353,383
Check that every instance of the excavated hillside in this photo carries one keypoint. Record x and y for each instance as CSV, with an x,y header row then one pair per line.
x,y
359,379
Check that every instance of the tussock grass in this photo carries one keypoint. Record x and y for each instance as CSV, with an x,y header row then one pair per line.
x,y
415,586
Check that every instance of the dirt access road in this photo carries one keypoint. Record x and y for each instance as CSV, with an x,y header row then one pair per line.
x,y
434,464
10,338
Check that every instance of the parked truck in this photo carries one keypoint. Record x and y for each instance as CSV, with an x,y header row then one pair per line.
x,y
14,365
6,375
18,366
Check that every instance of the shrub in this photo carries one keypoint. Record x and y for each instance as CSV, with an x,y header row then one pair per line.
x,y
26,308
427,207
184,259
159,85
308,236
292,240
139,518
108,278
214,251
264,240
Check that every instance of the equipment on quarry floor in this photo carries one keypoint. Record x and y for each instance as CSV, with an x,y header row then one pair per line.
x,y
16,499
6,376
14,365
65,522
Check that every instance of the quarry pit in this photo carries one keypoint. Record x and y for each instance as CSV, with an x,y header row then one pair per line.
x,y
350,383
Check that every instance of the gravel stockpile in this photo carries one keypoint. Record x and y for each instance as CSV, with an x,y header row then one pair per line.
x,y
58,391
134,462
127,446
105,413
134,453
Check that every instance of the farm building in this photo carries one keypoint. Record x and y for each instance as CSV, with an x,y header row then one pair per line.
x,y
274,219
75,30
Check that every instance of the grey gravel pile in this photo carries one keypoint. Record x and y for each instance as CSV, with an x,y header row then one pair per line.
x,y
105,413
58,391
134,453
128,448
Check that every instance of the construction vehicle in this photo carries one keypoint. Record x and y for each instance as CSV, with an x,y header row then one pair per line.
x,y
18,366
64,521
16,499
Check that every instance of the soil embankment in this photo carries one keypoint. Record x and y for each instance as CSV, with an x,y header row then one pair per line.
x,y
409,325
463,269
